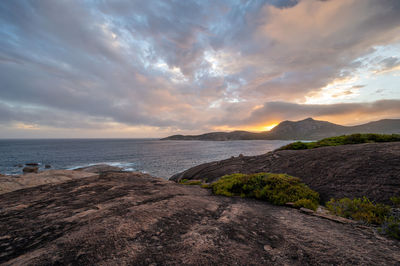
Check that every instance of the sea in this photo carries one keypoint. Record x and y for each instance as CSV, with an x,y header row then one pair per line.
x,y
160,158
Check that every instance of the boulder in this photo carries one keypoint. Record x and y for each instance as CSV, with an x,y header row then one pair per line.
x,y
30,169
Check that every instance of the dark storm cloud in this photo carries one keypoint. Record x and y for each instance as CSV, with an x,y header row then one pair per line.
x,y
176,63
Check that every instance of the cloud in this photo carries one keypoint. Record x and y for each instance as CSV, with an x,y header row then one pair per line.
x,y
311,44
388,64
179,65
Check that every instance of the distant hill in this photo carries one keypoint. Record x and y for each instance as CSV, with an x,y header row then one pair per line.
x,y
307,129
234,135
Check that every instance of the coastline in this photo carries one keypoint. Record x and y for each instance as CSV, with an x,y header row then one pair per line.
x,y
156,157
141,219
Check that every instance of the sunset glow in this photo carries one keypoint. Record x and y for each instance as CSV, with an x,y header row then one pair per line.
x,y
269,127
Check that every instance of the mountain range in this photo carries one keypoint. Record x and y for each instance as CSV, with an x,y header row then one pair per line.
x,y
307,129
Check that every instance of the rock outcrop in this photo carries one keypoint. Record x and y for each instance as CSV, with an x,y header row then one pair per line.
x,y
134,219
32,178
30,169
10,183
99,168
371,170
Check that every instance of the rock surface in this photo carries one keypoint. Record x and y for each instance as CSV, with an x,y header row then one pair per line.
x,y
10,183
371,170
30,169
99,168
131,218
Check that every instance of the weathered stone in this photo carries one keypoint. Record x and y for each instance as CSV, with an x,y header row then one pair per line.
x,y
112,219
306,211
30,169
10,183
100,168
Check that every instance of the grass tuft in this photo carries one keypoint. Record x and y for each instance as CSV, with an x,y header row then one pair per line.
x,y
190,182
362,209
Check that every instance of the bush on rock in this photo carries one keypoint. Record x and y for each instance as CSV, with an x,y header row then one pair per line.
x,y
274,188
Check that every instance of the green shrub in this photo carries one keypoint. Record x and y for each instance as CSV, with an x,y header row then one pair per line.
x,y
298,145
391,226
275,188
306,203
342,140
190,182
361,209
206,186
396,201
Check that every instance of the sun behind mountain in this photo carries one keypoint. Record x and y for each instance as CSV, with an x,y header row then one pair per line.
x,y
270,126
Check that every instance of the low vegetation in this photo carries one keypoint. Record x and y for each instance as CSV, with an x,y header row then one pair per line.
x,y
306,203
396,201
342,140
362,209
190,182
280,189
391,226
274,188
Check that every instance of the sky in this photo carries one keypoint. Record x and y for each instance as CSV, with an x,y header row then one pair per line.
x,y
120,69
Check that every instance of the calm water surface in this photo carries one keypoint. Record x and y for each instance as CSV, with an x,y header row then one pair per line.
x,y
156,157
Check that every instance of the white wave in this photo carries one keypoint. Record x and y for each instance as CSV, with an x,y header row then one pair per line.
x,y
126,166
